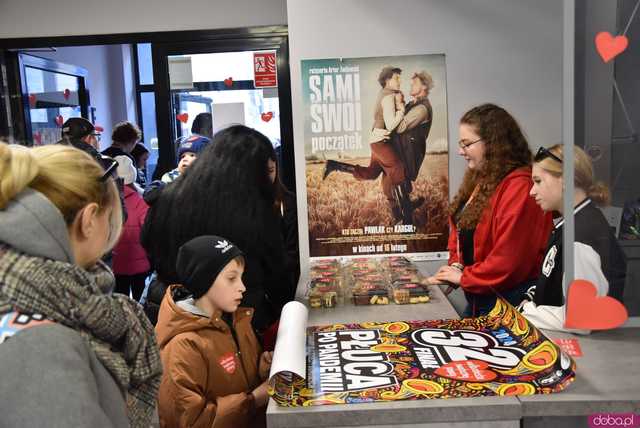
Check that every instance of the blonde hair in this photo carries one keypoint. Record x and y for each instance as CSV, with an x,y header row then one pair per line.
x,y
68,177
583,173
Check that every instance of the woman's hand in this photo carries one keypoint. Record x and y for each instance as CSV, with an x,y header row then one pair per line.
x,y
265,365
449,274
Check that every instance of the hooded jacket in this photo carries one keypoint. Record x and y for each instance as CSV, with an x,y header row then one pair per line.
x,y
49,363
129,258
509,241
210,369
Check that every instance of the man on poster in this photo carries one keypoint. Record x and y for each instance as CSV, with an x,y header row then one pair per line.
x,y
397,141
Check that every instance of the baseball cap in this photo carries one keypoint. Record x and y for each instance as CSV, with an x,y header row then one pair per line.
x,y
77,127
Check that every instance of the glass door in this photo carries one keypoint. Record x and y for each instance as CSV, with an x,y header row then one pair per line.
x,y
237,81
53,93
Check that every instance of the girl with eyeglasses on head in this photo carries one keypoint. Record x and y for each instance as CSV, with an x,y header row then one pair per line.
x,y
497,233
71,353
597,256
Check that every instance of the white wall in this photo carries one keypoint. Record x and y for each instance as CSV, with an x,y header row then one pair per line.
x,y
106,82
37,18
503,51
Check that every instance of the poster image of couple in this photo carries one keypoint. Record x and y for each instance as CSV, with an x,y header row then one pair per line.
x,y
376,155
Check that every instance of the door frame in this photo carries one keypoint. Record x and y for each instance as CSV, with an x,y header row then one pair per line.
x,y
165,121
9,49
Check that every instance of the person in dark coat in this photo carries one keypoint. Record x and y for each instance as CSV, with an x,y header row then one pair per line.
x,y
227,191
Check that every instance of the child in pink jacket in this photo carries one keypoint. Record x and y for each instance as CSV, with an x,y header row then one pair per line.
x,y
130,263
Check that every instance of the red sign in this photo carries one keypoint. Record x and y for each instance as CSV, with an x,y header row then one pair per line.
x,y
264,70
470,371
570,346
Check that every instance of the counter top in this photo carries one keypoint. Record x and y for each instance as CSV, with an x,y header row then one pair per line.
x,y
607,380
607,377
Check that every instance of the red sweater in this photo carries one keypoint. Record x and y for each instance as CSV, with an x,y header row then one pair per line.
x,y
509,240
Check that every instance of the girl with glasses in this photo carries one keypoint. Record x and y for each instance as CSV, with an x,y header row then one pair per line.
x,y
497,233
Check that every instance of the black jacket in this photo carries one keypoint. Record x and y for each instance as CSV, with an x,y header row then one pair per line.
x,y
593,241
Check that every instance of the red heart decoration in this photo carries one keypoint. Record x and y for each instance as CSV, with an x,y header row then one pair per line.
x,y
587,311
183,117
32,100
66,94
59,120
267,116
228,82
468,371
609,47
37,138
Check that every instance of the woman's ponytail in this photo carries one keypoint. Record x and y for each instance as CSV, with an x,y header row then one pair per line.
x,y
18,168
599,194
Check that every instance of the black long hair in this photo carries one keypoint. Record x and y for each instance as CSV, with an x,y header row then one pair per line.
x,y
226,192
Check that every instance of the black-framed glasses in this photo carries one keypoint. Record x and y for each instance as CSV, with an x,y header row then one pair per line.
x,y
464,145
110,166
544,153
97,136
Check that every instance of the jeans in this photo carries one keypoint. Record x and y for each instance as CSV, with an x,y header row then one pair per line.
x,y
480,304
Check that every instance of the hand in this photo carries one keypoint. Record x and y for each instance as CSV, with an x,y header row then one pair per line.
x,y
260,395
265,365
449,274
378,134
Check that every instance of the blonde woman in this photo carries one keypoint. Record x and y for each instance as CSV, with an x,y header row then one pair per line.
x,y
71,353
597,256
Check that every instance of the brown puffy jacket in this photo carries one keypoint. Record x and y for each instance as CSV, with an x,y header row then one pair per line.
x,y
206,380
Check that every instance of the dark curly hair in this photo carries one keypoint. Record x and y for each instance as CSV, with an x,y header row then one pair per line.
x,y
506,149
126,133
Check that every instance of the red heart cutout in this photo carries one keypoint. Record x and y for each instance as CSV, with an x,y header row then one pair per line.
x,y
32,100
66,94
228,82
183,117
59,120
267,116
468,371
37,138
609,47
587,311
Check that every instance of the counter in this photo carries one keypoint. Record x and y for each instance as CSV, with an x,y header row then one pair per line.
x,y
607,380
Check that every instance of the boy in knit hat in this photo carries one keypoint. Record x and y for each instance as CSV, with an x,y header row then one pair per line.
x,y
187,153
214,371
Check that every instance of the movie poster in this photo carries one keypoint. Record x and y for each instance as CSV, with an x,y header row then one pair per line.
x,y
376,150
499,354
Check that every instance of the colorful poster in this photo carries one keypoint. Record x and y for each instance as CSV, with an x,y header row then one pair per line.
x,y
498,354
376,152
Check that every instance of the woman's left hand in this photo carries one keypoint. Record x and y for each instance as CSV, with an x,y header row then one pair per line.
x,y
449,274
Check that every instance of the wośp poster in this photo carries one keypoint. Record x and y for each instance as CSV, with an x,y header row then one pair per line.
x,y
376,151
500,354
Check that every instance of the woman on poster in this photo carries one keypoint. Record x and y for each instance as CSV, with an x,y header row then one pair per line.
x,y
497,232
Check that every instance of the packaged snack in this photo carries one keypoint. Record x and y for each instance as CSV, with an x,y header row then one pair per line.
x,y
409,292
370,293
320,299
